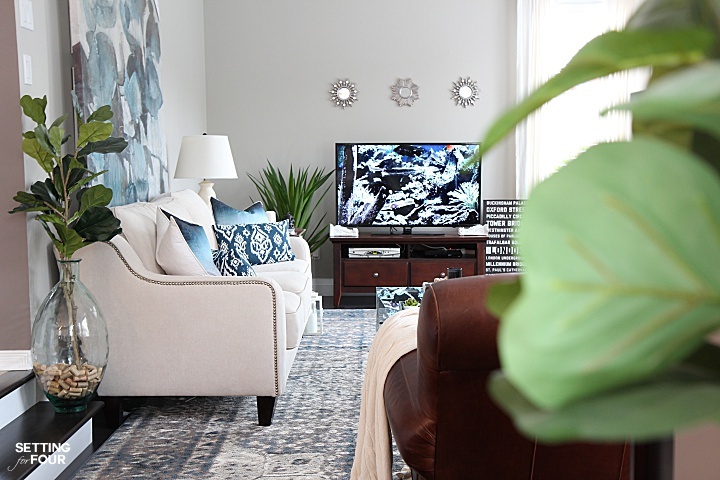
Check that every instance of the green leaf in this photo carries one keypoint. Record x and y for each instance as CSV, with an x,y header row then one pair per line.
x,y
58,244
95,196
102,114
59,121
29,208
609,53
55,136
501,295
109,145
51,218
668,14
620,248
43,138
73,171
98,224
69,241
689,97
29,134
25,197
45,191
32,148
84,181
34,108
28,203
93,132
649,410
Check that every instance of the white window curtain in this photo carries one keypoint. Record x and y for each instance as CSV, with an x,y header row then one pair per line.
x,y
549,33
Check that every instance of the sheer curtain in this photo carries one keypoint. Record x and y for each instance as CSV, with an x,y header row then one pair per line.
x,y
549,33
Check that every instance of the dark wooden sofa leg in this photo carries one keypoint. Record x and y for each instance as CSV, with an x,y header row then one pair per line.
x,y
113,411
266,410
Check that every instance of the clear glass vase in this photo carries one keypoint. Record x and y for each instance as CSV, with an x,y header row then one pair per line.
x,y
69,342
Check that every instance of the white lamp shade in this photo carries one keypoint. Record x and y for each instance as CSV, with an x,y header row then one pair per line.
x,y
205,156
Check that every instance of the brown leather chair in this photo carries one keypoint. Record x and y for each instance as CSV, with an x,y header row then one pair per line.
x,y
443,421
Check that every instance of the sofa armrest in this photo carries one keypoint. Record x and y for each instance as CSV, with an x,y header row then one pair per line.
x,y
300,248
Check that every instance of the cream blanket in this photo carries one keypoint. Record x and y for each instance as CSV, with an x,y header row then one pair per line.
x,y
373,451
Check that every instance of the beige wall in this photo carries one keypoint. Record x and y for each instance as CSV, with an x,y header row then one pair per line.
x,y
14,294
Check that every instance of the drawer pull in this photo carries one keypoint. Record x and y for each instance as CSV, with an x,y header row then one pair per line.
x,y
376,275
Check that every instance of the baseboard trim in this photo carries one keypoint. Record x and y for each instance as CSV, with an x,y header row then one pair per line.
x,y
15,360
324,286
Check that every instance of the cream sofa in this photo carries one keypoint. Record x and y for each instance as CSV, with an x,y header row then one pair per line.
x,y
194,335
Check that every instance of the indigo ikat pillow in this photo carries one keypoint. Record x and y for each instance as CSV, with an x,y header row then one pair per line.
x,y
260,243
230,263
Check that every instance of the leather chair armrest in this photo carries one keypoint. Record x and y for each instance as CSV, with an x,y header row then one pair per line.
x,y
456,330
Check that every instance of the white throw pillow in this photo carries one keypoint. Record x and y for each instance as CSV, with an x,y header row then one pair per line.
x,y
138,223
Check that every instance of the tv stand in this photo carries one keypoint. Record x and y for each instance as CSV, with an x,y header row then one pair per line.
x,y
416,264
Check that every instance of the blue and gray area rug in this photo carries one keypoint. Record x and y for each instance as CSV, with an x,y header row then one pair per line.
x,y
312,436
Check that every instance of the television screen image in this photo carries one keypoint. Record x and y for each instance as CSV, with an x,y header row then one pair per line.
x,y
408,185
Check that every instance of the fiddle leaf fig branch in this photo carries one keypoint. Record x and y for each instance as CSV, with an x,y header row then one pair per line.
x,y
72,214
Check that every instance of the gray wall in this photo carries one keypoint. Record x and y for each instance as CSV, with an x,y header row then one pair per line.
x,y
183,81
271,64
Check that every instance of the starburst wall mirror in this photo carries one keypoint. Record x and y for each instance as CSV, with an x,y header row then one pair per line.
x,y
343,93
404,92
465,92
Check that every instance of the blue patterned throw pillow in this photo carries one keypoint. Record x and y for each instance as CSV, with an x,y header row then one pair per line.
x,y
230,263
260,243
227,215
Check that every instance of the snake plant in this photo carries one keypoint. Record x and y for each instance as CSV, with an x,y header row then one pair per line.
x,y
299,195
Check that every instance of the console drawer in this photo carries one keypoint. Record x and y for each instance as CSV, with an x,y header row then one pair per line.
x,y
375,273
427,270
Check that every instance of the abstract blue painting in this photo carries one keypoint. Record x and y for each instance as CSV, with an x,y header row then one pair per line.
x,y
116,62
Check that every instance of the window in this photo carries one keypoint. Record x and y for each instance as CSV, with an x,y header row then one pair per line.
x,y
549,33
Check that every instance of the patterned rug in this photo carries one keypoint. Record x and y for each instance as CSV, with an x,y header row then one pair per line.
x,y
312,436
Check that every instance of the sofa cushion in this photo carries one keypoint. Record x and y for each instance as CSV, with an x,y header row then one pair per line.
x,y
295,282
227,215
183,248
230,264
297,265
139,229
260,243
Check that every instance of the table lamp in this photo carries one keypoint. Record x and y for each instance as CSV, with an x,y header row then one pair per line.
x,y
205,156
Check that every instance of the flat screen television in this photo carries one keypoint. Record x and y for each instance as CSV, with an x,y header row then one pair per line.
x,y
407,185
